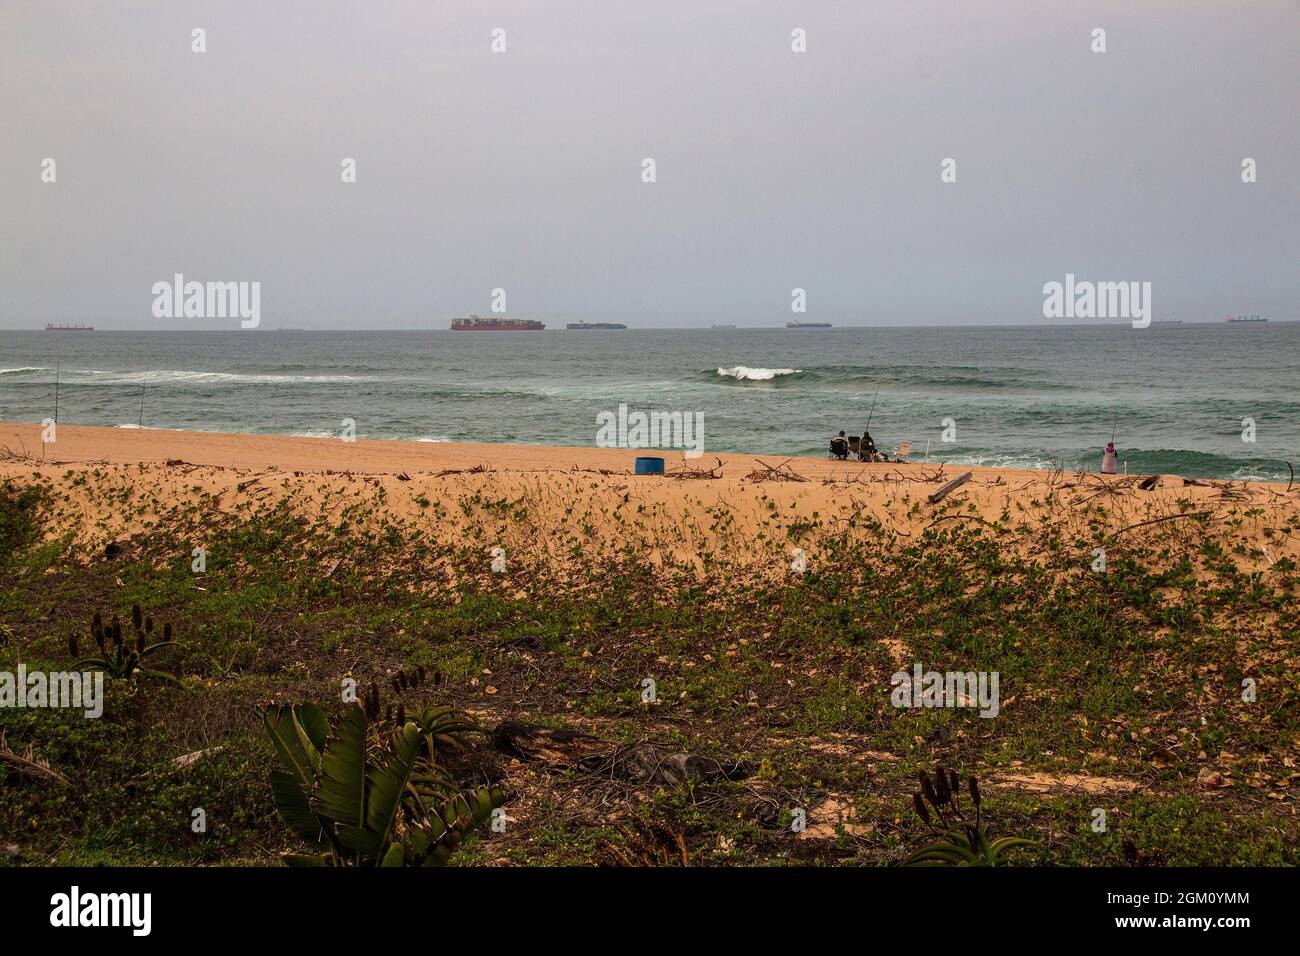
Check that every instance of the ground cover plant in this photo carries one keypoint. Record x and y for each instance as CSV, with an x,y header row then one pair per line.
x,y
640,710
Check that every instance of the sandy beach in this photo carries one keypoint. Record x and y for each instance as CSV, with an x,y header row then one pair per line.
x,y
768,604
563,489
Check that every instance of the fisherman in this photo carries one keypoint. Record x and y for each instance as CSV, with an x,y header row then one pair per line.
x,y
840,446
867,448
1108,459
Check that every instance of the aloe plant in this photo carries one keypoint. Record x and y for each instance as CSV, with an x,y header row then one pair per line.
x,y
124,657
371,792
961,842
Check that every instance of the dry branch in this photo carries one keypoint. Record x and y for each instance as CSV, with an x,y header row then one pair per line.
x,y
781,472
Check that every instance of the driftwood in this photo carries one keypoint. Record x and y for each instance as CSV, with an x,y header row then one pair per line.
x,y
953,485
781,472
687,471
178,763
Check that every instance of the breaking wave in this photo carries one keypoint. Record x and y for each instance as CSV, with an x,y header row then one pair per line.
x,y
743,373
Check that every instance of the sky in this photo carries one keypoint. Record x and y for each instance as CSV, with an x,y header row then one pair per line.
x,y
522,170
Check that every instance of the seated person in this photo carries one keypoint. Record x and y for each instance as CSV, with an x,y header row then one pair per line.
x,y
867,448
840,447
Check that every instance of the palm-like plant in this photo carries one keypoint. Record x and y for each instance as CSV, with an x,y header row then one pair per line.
x,y
372,793
961,842
124,657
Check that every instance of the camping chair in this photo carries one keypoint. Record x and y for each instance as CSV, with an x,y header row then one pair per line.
x,y
862,450
902,451
839,448
853,445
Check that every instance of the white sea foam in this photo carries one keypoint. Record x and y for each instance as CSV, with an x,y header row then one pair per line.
x,y
744,373
200,377
24,368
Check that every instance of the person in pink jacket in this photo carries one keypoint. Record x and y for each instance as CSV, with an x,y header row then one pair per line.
x,y
1108,459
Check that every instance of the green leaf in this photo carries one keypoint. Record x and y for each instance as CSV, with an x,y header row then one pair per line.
x,y
341,783
285,725
386,780
293,801
1006,843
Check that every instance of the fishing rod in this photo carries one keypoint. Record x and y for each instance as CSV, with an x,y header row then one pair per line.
x,y
873,406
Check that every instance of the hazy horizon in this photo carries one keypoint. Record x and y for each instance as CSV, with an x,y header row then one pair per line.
x,y
522,170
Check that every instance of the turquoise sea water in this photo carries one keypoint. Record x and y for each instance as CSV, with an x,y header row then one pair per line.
x,y
1176,395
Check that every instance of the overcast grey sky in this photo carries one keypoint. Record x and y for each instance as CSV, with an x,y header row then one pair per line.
x,y
522,169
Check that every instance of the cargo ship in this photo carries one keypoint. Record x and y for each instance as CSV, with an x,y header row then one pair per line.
x,y
54,327
722,326
1245,318
494,324
595,325
807,325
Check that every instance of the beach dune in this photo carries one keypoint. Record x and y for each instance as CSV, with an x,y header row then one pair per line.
x,y
566,501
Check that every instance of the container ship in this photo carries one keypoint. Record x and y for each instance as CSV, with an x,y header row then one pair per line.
x,y
54,327
494,324
807,325
1245,318
595,325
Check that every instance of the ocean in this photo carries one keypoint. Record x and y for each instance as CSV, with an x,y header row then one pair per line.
x,y
1177,396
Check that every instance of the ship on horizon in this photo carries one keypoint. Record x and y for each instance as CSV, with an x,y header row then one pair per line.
x,y
1245,318
55,327
472,323
595,325
807,325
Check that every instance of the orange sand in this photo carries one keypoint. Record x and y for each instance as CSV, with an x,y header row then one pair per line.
x,y
116,482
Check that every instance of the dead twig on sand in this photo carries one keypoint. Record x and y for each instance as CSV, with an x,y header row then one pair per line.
x,y
1140,524
688,471
781,472
476,470
8,454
